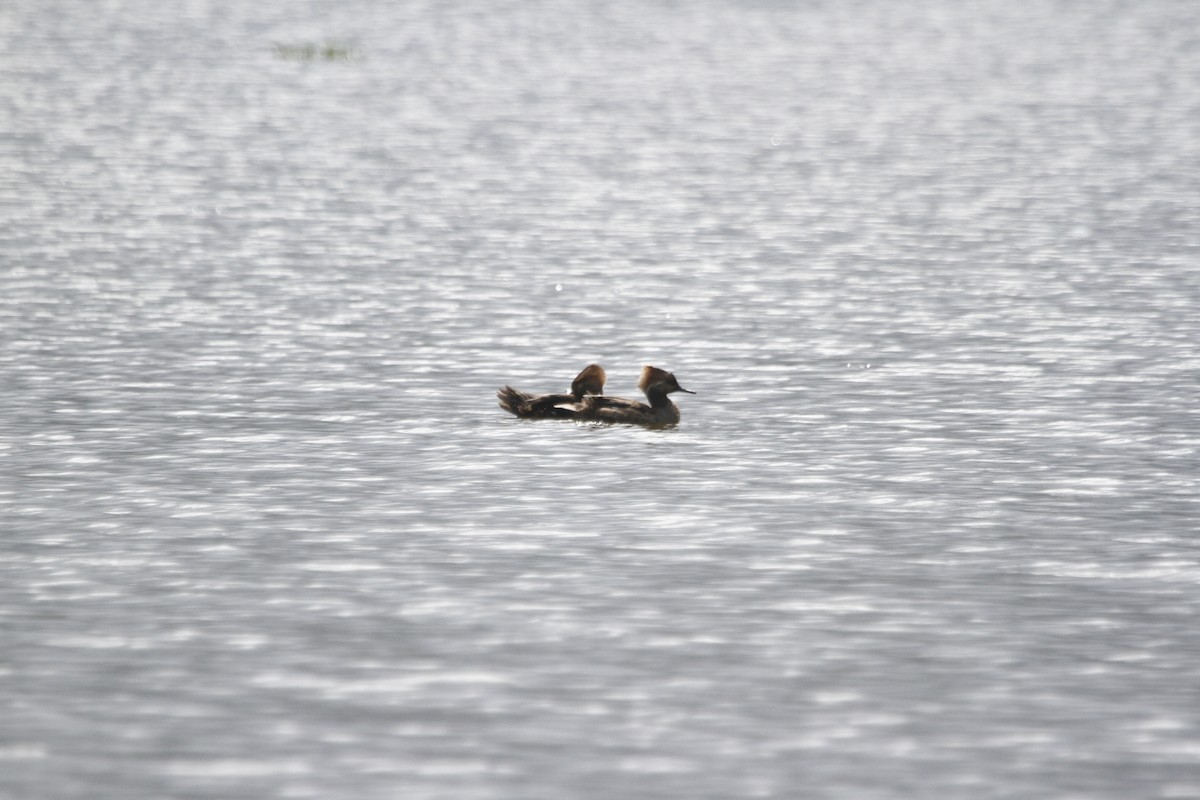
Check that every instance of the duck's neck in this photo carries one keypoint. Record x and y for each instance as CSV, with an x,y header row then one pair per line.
x,y
658,398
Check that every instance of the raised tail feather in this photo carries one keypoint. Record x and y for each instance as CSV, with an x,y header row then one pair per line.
x,y
512,400
546,406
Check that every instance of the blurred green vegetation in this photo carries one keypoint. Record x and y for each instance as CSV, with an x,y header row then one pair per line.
x,y
309,51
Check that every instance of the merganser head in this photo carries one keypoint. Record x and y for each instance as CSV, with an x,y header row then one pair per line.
x,y
589,381
659,380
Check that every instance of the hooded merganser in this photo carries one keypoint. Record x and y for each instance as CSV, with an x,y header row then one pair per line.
x,y
554,406
656,383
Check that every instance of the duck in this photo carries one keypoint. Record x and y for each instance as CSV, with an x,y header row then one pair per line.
x,y
656,384
590,381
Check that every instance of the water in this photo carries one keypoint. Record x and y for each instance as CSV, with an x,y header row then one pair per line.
x,y
928,528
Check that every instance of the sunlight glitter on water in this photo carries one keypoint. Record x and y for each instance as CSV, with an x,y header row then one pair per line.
x,y
931,510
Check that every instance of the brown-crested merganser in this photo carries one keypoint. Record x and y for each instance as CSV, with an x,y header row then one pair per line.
x,y
554,406
656,383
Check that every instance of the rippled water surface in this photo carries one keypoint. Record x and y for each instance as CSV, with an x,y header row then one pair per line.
x,y
927,529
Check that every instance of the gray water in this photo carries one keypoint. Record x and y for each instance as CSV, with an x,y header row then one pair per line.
x,y
928,529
